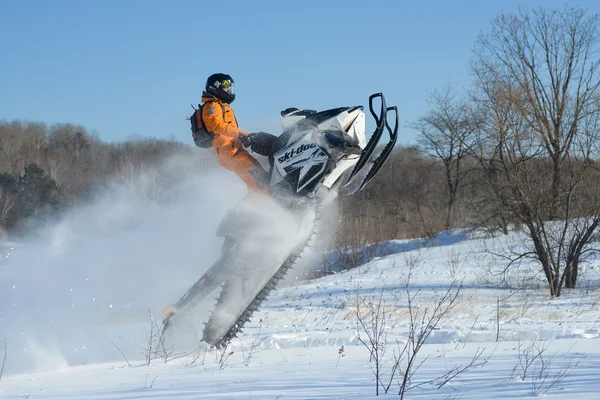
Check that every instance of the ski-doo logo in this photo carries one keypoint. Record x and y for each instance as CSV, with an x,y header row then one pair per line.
x,y
294,152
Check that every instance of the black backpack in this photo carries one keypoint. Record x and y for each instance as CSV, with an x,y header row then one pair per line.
x,y
202,137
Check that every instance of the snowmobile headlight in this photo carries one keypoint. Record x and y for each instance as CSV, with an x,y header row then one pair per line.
x,y
337,139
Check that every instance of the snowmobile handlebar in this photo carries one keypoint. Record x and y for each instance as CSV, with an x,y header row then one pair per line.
x,y
381,120
381,115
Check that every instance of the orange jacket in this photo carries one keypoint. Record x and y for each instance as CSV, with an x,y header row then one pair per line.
x,y
219,118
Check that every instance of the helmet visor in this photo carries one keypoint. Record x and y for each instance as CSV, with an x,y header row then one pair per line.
x,y
228,86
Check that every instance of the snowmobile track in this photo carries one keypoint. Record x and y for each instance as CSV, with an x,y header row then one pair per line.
x,y
265,291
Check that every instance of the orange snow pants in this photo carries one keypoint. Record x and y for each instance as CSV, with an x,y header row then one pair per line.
x,y
232,155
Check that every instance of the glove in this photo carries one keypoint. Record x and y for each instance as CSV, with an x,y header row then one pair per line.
x,y
246,139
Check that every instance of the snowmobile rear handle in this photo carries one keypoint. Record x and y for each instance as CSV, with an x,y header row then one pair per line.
x,y
382,122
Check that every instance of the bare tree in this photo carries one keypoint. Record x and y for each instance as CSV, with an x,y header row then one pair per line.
x,y
446,133
537,79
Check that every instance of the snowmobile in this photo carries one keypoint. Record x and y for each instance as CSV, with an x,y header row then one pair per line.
x,y
318,154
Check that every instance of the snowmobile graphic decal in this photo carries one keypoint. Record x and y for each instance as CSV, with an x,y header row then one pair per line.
x,y
309,167
288,155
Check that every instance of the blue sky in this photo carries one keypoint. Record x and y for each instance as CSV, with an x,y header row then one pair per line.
x,y
132,68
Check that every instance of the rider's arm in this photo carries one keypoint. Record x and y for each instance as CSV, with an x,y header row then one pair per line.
x,y
212,114
265,144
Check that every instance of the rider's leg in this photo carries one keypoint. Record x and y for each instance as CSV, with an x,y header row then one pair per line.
x,y
235,158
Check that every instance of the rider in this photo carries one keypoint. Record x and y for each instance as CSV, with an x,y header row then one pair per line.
x,y
228,140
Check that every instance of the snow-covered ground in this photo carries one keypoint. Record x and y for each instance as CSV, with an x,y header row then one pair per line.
x,y
75,313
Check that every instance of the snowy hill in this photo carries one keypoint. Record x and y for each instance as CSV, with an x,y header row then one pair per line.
x,y
79,303
304,343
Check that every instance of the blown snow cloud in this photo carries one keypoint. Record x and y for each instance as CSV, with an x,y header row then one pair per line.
x,y
89,279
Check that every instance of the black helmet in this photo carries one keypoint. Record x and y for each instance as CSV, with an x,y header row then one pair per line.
x,y
221,86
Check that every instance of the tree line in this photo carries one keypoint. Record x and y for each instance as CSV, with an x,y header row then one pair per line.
x,y
46,169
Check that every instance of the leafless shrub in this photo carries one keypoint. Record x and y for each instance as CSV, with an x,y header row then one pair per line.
x,y
466,339
454,265
340,355
342,259
499,301
3,360
297,321
151,383
156,347
535,364
122,354
222,356
200,350
373,321
348,257
168,353
154,333
249,352
547,377
422,322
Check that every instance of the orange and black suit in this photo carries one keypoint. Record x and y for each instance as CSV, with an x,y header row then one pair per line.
x,y
219,119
